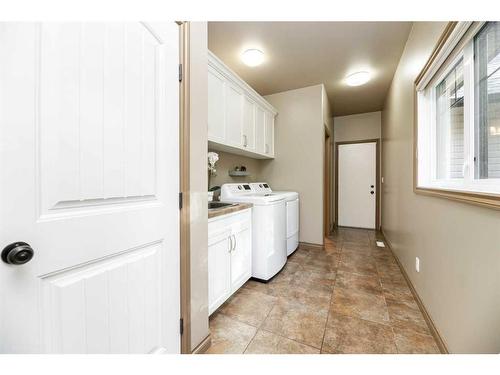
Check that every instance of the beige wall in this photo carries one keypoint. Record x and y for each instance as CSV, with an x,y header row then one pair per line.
x,y
198,183
298,163
359,127
228,161
457,243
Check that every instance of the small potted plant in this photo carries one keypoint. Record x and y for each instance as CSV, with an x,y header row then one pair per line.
x,y
213,157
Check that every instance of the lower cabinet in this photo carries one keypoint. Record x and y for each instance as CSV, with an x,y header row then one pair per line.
x,y
229,256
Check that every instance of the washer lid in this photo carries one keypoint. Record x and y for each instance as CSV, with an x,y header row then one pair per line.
x,y
256,199
287,195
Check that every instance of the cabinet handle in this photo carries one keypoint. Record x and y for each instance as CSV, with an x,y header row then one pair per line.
x,y
230,243
245,142
234,246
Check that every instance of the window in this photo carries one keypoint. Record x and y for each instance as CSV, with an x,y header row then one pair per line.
x,y
450,124
458,127
487,104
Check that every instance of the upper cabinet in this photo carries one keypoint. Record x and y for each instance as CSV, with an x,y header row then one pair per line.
x,y
216,121
240,121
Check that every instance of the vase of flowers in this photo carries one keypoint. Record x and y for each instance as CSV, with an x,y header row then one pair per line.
x,y
213,157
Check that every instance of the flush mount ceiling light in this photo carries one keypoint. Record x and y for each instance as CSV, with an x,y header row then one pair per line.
x,y
252,57
358,78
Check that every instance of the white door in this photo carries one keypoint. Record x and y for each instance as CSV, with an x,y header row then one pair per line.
x,y
219,267
357,195
89,179
248,124
216,105
234,116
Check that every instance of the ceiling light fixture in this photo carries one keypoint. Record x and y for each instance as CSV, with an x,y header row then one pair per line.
x,y
358,78
252,57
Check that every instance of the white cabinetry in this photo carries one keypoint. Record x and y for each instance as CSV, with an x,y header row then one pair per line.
x,y
216,117
260,138
249,109
269,134
240,121
229,255
233,115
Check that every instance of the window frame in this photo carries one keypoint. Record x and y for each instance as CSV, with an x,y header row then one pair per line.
x,y
457,41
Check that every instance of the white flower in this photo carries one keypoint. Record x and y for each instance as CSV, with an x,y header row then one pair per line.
x,y
212,159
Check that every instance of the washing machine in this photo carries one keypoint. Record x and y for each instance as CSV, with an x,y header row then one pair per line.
x,y
292,212
269,245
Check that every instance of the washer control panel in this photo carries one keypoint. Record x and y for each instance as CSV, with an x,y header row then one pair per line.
x,y
237,189
261,188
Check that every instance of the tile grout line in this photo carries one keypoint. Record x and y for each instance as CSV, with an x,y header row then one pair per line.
x,y
288,338
331,298
262,323
387,307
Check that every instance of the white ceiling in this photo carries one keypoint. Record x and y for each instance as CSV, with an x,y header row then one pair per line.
x,y
300,54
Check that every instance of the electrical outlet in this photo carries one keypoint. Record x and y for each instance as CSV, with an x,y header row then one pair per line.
x,y
417,264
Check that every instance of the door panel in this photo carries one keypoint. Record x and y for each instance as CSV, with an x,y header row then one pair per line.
x,y
114,305
260,136
98,114
219,264
234,115
94,195
356,174
248,124
269,133
241,259
216,105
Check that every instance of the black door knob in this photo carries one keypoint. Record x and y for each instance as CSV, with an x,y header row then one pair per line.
x,y
17,253
371,192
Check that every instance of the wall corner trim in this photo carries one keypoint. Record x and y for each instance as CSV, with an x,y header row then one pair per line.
x,y
314,246
203,346
430,323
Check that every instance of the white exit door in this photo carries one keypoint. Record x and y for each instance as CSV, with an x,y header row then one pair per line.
x,y
357,187
89,176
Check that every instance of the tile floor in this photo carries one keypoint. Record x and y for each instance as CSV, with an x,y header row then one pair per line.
x,y
348,298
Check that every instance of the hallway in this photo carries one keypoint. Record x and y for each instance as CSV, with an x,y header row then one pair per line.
x,y
350,297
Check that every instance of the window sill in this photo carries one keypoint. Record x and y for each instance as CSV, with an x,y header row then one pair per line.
x,y
476,198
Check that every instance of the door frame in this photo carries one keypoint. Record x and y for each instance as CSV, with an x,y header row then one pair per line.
x,y
327,177
377,182
184,188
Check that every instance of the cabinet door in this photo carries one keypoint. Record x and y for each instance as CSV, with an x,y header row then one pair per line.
x,y
248,124
260,137
234,116
216,118
219,266
241,255
269,133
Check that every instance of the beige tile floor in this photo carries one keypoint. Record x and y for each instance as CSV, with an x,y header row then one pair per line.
x,y
348,298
